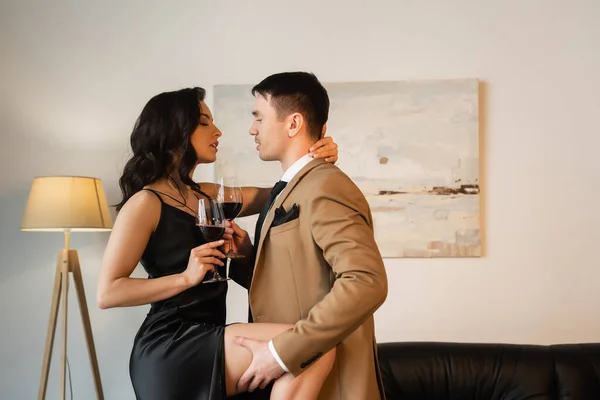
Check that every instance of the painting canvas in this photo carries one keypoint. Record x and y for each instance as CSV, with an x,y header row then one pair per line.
x,y
412,147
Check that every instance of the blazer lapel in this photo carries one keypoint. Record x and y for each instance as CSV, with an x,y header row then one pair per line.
x,y
282,196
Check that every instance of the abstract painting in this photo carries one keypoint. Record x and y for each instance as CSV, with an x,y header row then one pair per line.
x,y
412,147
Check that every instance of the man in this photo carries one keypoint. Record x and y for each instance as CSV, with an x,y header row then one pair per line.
x,y
316,263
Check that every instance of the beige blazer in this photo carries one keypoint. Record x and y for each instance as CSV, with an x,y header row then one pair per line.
x,y
323,273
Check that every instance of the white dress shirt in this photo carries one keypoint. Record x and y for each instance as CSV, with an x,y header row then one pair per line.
x,y
288,176
296,167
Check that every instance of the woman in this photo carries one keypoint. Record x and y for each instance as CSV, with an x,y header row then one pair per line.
x,y
183,350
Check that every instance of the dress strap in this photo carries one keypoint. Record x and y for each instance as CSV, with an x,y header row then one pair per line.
x,y
201,192
156,194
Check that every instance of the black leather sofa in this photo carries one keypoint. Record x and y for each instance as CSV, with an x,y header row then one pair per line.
x,y
472,371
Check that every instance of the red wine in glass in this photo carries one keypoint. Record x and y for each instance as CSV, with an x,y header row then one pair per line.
x,y
212,233
211,223
231,209
230,195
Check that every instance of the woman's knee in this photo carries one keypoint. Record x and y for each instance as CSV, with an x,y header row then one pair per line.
x,y
330,356
308,384
327,360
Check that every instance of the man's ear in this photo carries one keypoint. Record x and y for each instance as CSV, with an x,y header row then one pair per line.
x,y
295,123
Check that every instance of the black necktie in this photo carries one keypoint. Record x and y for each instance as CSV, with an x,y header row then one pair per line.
x,y
279,186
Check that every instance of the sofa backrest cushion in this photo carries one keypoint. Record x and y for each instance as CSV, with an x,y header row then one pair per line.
x,y
429,370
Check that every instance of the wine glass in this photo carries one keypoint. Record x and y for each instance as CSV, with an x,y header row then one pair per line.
x,y
230,195
211,222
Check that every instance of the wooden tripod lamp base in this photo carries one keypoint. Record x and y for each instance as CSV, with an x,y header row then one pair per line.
x,y
66,204
68,264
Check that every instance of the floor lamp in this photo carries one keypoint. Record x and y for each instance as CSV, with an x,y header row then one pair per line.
x,y
67,204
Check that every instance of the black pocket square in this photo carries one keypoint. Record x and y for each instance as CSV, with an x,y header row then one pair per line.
x,y
281,216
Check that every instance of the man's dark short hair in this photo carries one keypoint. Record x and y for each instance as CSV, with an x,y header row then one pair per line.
x,y
297,92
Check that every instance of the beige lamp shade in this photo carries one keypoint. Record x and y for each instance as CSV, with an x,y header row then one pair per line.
x,y
59,203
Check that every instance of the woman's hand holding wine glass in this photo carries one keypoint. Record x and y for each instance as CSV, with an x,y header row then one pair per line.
x,y
202,260
211,222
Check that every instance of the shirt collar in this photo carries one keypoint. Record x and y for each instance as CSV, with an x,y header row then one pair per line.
x,y
296,167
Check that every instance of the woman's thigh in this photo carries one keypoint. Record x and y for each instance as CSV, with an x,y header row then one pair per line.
x,y
238,358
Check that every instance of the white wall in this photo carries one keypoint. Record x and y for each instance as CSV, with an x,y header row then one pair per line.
x,y
75,75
